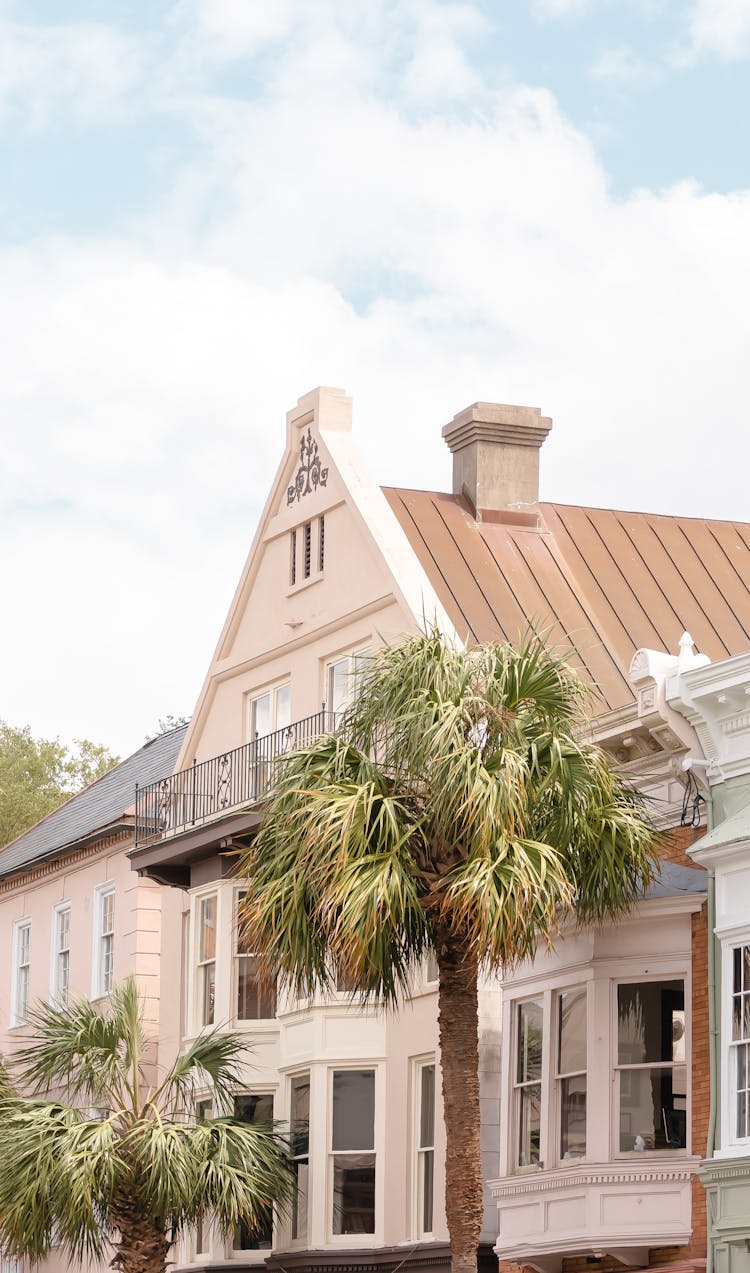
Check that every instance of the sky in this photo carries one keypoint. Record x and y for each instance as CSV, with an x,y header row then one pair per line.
x,y
208,207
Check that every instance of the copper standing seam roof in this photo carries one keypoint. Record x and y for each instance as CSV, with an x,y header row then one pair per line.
x,y
608,582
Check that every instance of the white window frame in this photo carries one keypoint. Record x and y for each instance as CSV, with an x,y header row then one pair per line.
x,y
647,1155
237,957
62,908
304,1241
271,692
199,964
418,1151
349,658
99,988
354,1239
544,1083
19,1010
307,552
246,1255
732,1144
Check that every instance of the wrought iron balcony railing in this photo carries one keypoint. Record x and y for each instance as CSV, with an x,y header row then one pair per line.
x,y
194,796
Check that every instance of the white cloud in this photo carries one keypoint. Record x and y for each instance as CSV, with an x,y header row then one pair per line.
x,y
333,233
721,27
91,67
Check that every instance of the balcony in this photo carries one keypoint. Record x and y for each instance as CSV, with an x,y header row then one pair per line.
x,y
621,1209
233,780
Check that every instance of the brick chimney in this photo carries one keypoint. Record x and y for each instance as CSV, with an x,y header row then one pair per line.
x,y
495,452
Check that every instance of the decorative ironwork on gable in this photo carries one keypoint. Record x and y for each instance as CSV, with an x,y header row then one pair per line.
x,y
311,474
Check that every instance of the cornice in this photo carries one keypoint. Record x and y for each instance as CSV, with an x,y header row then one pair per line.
x,y
601,1174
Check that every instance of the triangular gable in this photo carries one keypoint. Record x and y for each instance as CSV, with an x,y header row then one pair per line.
x,y
373,569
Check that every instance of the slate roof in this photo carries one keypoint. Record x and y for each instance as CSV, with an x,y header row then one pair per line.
x,y
674,880
103,804
608,582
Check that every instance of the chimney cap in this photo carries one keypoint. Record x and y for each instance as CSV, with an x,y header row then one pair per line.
x,y
497,422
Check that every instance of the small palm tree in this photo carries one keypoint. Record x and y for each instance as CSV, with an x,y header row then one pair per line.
x,y
97,1160
458,810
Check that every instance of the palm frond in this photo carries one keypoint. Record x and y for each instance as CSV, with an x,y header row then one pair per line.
x,y
213,1060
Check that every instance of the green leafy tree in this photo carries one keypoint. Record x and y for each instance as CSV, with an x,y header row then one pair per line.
x,y
99,1160
37,775
458,810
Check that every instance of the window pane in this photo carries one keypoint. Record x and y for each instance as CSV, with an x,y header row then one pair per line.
x,y
529,1140
208,994
354,1193
300,1114
354,1112
339,682
651,1022
571,1053
208,928
283,707
573,1117
428,1189
652,1113
301,1171
255,1000
743,1084
255,1108
427,1107
260,722
529,1041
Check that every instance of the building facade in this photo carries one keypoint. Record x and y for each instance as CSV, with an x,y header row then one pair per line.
x,y
594,1110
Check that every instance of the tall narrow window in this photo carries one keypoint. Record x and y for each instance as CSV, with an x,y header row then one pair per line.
x,y
61,955
299,1126
425,1149
307,549
740,1045
203,1112
321,544
651,1065
341,679
255,1000
104,969
22,972
352,1151
571,1071
292,557
528,1083
255,1108
207,960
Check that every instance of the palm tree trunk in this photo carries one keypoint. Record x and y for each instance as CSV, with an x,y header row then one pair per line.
x,y
143,1244
458,1023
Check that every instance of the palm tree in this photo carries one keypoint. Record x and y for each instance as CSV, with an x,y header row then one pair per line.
x,y
97,1159
458,809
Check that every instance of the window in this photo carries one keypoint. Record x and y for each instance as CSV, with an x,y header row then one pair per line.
x,y
61,955
255,1000
571,1071
528,1083
740,1042
353,1152
651,1066
307,549
321,544
104,946
292,558
203,1112
299,1127
425,1141
22,964
270,711
207,959
341,679
431,970
255,1108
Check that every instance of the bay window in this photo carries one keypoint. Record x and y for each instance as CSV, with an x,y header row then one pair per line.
x,y
571,1075
255,1001
739,1047
255,1108
299,1127
352,1152
528,1082
207,960
651,1066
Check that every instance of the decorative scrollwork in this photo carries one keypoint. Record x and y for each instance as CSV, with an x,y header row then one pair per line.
x,y
224,781
311,474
